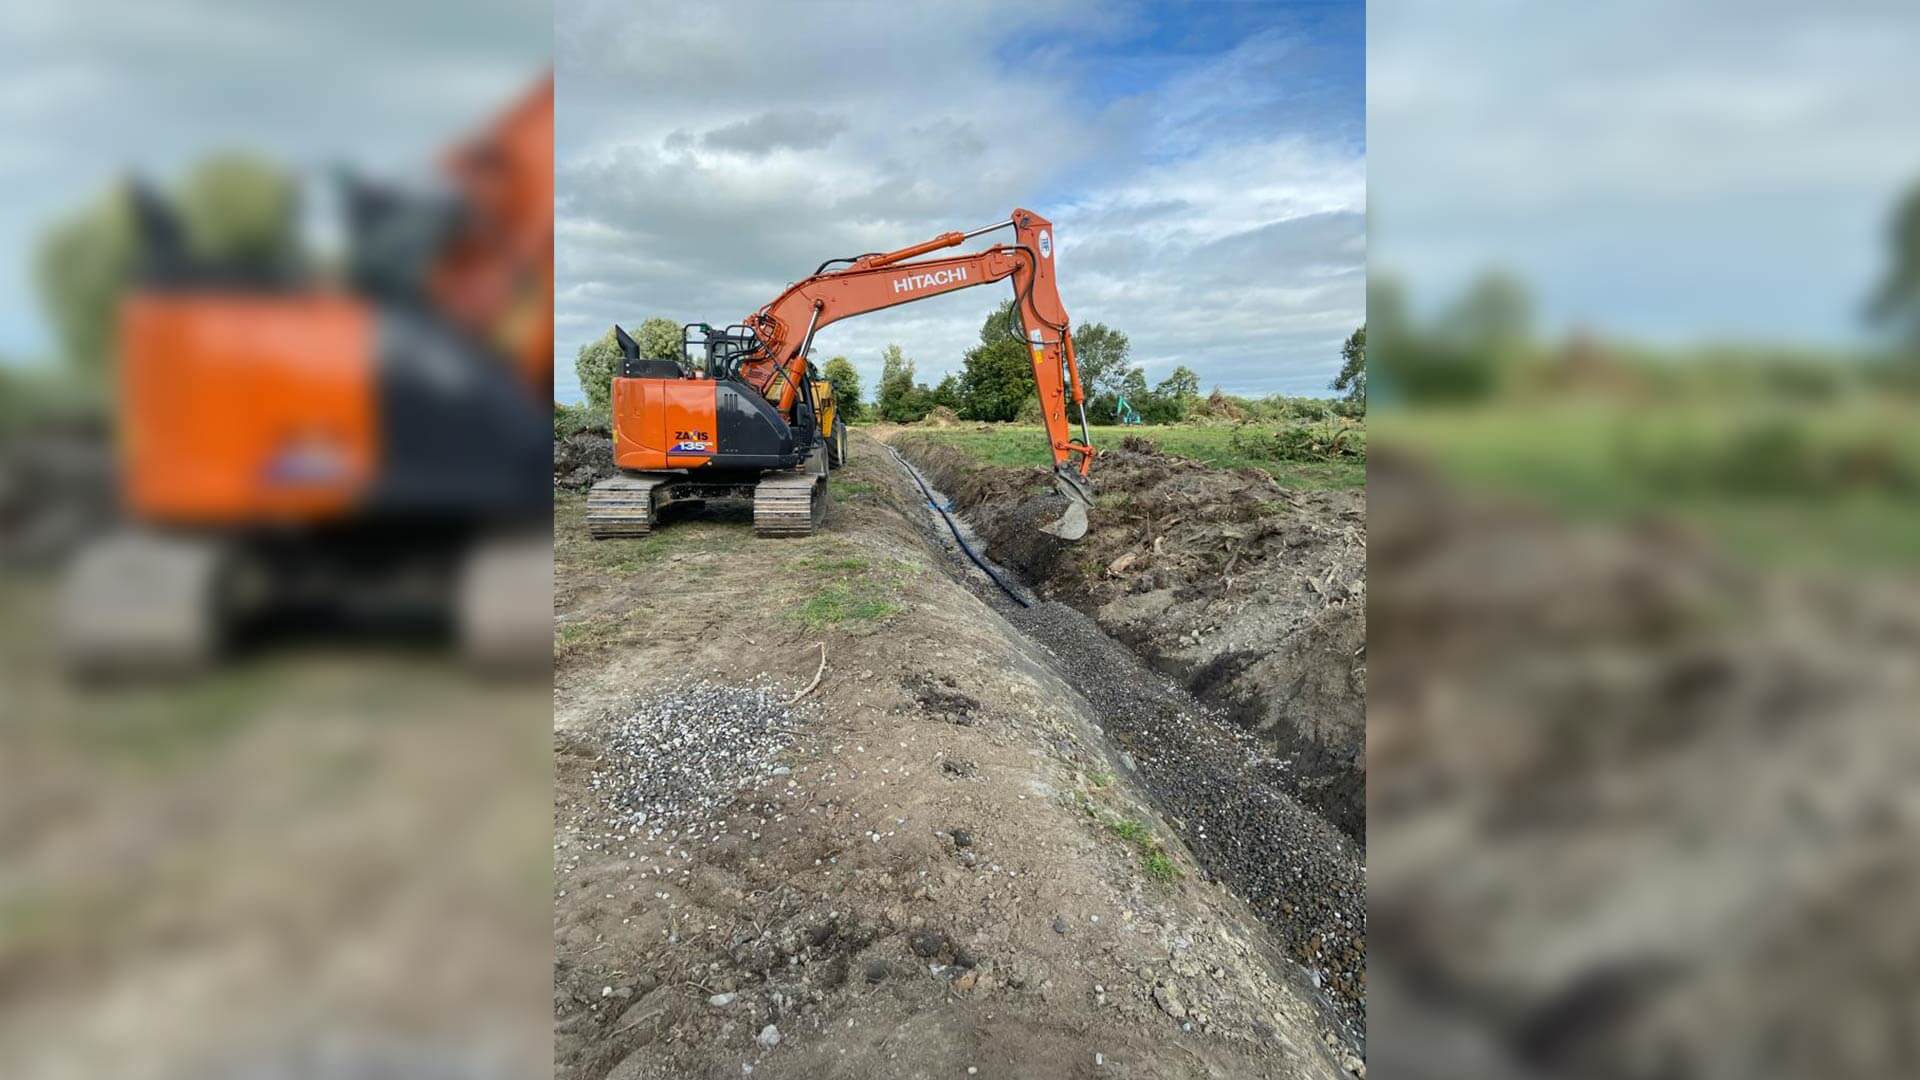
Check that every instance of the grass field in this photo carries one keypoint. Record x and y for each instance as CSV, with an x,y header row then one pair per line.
x,y
1013,444
1833,486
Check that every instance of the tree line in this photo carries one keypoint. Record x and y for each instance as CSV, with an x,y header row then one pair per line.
x,y
995,381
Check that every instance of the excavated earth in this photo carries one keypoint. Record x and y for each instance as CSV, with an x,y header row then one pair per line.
x,y
1639,809
582,459
1249,594
943,858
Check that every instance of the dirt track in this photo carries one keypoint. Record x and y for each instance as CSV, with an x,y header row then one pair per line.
x,y
947,867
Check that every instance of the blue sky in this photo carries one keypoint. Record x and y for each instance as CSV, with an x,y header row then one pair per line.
x,y
1204,166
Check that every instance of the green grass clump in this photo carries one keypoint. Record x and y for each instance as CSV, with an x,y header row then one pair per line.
x,y
1339,464
831,563
856,601
1154,860
585,635
626,556
1823,485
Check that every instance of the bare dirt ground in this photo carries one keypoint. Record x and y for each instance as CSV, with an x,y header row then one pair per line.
x,y
1638,810
938,865
1251,595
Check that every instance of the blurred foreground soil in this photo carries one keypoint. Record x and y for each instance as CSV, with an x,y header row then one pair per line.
x,y
1635,809
325,860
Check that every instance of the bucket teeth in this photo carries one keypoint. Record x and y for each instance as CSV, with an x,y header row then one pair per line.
x,y
1072,523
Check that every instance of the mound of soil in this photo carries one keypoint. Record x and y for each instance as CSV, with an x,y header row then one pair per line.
x,y
1250,594
941,417
1637,808
1221,407
582,460
56,490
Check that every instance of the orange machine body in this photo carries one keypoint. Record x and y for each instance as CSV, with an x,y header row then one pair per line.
x,y
269,406
244,408
495,277
664,423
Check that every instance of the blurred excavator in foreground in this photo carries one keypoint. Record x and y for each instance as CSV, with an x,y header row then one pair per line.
x,y
744,414
298,445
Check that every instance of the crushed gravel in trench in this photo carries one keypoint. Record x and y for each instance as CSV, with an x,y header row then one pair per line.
x,y
1215,783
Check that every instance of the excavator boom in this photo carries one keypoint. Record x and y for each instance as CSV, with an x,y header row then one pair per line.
x,y
786,326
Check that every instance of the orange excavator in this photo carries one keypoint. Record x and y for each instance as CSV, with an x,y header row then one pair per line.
x,y
743,413
297,446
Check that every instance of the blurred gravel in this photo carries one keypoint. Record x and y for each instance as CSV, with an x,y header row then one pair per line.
x,y
679,754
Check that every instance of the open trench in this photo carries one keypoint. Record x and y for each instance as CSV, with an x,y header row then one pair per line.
x,y
1226,792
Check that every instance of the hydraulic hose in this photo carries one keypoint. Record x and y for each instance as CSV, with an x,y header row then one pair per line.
x,y
955,529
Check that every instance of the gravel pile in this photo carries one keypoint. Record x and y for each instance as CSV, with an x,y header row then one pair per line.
x,y
682,753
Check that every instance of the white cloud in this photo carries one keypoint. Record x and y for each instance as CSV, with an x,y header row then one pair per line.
x,y
1669,170
91,90
707,161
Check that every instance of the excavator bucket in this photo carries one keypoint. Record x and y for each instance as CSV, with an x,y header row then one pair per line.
x,y
1072,524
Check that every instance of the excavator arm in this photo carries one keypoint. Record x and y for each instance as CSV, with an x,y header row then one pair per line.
x,y
785,328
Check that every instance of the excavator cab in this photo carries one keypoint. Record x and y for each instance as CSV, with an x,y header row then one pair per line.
x,y
717,351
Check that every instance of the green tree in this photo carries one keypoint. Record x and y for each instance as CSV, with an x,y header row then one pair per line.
x,y
598,360
899,400
241,210
1353,368
1101,353
659,339
946,394
1180,390
846,387
82,265
1463,355
1895,302
236,210
595,364
1494,315
995,379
